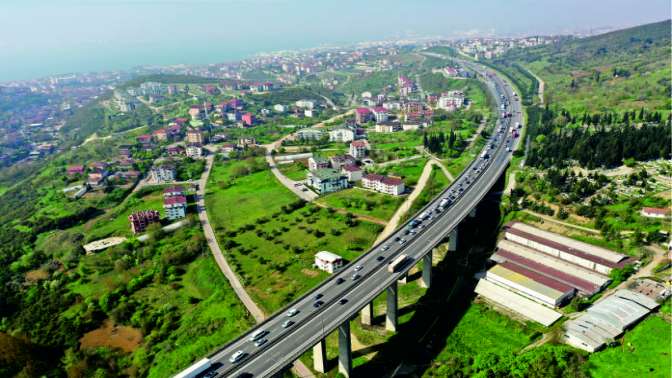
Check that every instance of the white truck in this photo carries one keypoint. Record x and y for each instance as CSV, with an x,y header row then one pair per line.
x,y
195,369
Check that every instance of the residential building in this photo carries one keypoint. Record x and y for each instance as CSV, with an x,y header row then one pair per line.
x,y
162,173
175,150
246,142
161,135
358,148
363,115
380,114
175,207
194,136
194,151
387,127
309,113
195,112
309,134
140,220
75,170
176,190
305,104
327,180
384,184
352,172
328,262
451,100
248,119
144,139
317,162
279,108
341,135
95,179
340,160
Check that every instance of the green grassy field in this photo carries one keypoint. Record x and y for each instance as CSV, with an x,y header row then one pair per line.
x,y
409,171
364,202
295,171
645,352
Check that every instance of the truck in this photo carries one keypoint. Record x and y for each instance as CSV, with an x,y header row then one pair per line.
x,y
485,155
397,263
195,369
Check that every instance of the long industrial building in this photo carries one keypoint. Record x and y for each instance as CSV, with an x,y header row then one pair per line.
x,y
586,281
588,256
607,319
530,284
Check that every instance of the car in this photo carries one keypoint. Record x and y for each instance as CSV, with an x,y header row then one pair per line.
x,y
380,258
318,304
237,356
413,232
258,335
260,342
407,231
210,374
402,241
358,268
397,239
339,280
343,301
355,277
304,189
386,247
292,312
318,296
287,323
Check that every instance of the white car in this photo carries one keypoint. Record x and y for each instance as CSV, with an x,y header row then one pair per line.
x,y
237,356
292,312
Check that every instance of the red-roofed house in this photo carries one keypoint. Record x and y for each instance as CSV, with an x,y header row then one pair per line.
x,y
144,139
655,212
175,206
195,112
248,119
175,190
384,184
75,170
161,135
352,171
381,114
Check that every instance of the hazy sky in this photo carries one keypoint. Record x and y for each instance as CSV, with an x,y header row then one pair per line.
x,y
42,37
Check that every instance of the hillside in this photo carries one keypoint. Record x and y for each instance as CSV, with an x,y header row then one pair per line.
x,y
627,69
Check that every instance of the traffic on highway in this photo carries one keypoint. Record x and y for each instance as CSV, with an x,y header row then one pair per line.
x,y
283,337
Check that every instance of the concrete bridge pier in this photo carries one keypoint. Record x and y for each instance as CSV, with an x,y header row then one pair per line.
x,y
391,316
344,349
426,271
320,356
452,240
367,314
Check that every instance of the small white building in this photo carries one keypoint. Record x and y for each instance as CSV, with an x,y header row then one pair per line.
x,y
194,151
341,135
305,104
352,172
655,212
279,108
329,262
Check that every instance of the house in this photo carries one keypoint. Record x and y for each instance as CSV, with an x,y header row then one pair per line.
x,y
248,119
245,142
384,184
140,220
75,170
175,207
234,116
99,166
160,135
451,100
279,108
328,262
387,127
162,173
195,112
317,162
95,179
125,150
144,139
411,126
655,212
305,104
175,150
309,113
352,172
341,135
309,134
228,148
380,114
327,180
340,160
176,190
194,136
358,148
362,115
194,151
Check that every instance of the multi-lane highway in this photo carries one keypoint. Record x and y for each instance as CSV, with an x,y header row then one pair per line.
x,y
343,295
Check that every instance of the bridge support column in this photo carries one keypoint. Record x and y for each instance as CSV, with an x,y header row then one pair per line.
x,y
344,349
391,316
452,240
426,270
403,279
320,356
367,314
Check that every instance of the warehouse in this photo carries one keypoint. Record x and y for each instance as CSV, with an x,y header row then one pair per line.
x,y
579,253
514,302
584,280
607,319
530,284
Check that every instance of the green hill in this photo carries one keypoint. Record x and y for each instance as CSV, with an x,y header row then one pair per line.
x,y
620,70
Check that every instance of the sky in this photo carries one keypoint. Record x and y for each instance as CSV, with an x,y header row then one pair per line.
x,y
45,37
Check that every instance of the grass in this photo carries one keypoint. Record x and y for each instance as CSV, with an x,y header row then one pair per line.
x,y
295,171
409,171
363,202
644,351
234,202
480,332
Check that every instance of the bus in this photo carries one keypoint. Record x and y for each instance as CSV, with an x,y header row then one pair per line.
x,y
396,263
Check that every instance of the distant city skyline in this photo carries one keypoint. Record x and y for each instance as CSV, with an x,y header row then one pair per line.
x,y
43,38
